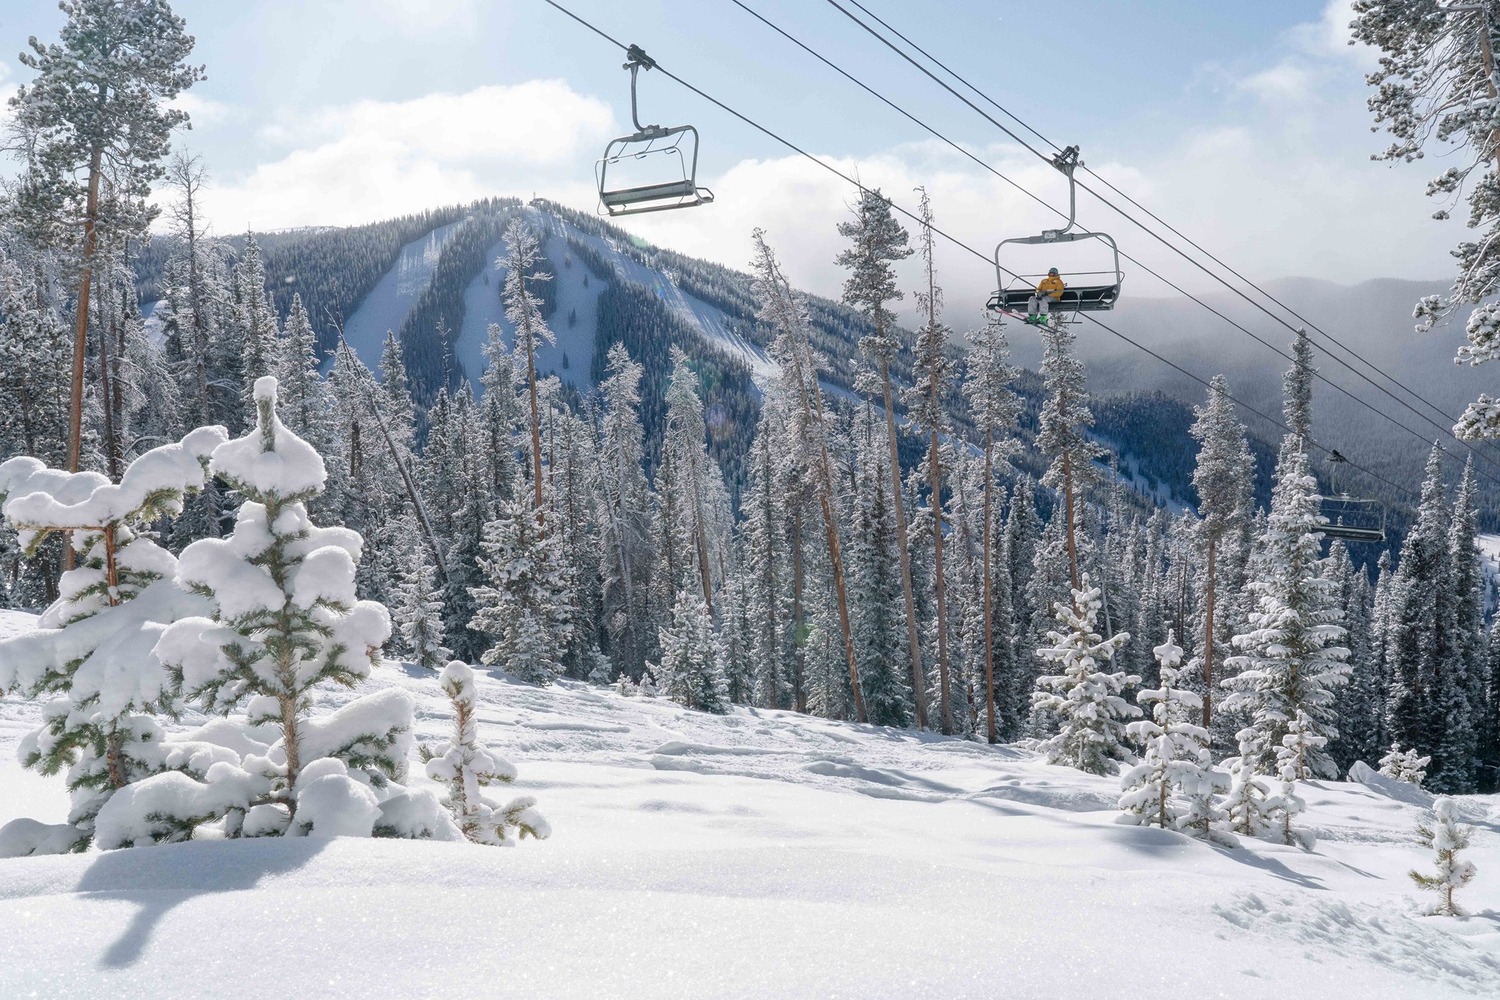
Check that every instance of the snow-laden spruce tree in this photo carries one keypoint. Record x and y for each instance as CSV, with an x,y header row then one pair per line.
x,y
1404,765
285,620
690,671
524,604
1085,696
467,768
1174,785
1290,660
90,657
419,612
1250,803
1445,837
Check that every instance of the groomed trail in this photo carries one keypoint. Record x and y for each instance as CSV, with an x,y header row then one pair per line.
x,y
761,854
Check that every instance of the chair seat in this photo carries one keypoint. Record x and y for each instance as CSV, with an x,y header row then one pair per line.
x,y
648,192
1081,298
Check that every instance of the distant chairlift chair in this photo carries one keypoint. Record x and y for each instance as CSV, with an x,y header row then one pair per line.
x,y
649,147
1016,289
1352,519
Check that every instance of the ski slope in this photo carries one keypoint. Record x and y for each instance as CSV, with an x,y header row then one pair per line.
x,y
392,298
762,854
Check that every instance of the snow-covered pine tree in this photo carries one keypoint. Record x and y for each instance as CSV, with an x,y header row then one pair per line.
x,y
100,108
995,407
90,657
1173,786
1420,626
1404,765
797,369
418,614
524,310
1297,746
1063,435
685,459
1085,696
877,240
689,671
767,553
285,620
253,315
1290,664
523,603
1222,479
467,767
875,585
1461,685
1446,837
625,550
932,371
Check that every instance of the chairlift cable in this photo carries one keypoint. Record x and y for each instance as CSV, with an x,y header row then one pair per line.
x,y
1446,430
948,236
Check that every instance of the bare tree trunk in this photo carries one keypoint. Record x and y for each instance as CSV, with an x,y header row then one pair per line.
x,y
1208,636
81,321
1068,513
989,597
799,691
940,584
898,502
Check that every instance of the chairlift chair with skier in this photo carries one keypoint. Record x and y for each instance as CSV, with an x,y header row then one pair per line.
x,y
653,169
1022,294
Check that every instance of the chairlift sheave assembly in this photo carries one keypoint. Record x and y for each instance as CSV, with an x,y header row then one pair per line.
x,y
1016,293
1352,519
629,172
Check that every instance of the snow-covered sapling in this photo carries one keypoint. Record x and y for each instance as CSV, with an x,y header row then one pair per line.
x,y
524,605
91,655
1084,697
1405,765
285,619
1446,837
467,767
1173,786
1250,801
1291,758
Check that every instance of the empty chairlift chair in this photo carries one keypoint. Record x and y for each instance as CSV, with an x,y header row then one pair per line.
x,y
1016,289
1351,519
654,169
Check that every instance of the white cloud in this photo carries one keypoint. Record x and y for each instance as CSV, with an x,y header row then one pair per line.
x,y
373,159
1284,82
205,110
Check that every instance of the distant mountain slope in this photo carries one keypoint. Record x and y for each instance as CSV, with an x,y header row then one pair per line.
x,y
437,271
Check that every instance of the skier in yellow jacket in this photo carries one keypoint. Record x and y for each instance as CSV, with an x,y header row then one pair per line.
x,y
1048,291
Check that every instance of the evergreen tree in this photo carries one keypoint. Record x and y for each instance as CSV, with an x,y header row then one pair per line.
x,y
253,314
877,240
690,671
419,613
996,408
1404,765
1290,664
626,552
1173,786
1222,480
90,656
1250,804
1084,697
1063,435
99,109
523,604
524,310
285,619
1445,837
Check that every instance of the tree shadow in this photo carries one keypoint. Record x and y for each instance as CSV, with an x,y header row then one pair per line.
x,y
159,878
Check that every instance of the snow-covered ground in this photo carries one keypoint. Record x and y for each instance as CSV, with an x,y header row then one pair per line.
x,y
762,854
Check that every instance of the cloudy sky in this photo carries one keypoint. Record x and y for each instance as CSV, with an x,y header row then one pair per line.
x,y
1242,124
